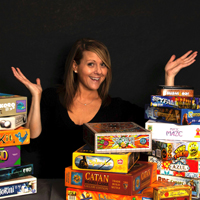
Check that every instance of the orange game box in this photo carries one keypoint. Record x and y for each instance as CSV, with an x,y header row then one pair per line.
x,y
178,192
19,136
140,176
145,194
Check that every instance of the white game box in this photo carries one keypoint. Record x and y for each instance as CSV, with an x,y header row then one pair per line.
x,y
169,131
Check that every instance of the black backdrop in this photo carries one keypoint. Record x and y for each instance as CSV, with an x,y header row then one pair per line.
x,y
141,36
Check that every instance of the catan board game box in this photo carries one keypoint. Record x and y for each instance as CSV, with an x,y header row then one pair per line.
x,y
140,176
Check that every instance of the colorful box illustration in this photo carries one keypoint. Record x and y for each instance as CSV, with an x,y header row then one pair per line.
x,y
85,158
10,156
19,136
117,137
173,115
12,104
17,187
192,182
145,194
140,176
178,192
12,122
177,90
175,149
175,102
182,167
15,172
169,131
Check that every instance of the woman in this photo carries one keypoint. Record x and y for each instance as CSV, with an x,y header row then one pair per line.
x,y
56,120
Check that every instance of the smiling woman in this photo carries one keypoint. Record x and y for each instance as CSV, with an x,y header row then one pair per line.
x,y
56,115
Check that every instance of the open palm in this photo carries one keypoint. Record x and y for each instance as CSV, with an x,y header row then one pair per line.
x,y
34,88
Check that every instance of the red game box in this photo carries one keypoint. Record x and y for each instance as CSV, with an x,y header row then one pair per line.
x,y
141,175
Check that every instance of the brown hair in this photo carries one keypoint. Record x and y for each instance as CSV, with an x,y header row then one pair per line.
x,y
70,81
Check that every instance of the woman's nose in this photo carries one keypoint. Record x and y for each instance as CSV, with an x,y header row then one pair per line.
x,y
98,69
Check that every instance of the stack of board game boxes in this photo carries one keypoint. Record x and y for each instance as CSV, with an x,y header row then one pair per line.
x,y
174,120
107,166
15,179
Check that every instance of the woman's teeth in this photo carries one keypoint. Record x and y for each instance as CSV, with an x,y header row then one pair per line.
x,y
95,79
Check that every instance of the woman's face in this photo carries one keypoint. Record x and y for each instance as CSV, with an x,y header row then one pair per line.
x,y
91,71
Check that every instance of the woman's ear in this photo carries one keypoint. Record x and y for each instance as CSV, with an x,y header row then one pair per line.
x,y
75,67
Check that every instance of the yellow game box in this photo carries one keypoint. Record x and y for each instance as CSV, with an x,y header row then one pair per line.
x,y
173,192
19,136
85,159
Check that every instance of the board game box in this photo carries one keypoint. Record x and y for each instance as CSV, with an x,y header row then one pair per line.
x,y
85,158
140,176
17,187
192,182
176,149
19,136
172,115
117,137
144,194
181,167
169,131
175,101
10,156
15,172
178,192
12,122
177,90
12,104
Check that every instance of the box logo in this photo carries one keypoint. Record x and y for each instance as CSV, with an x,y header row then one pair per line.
x,y
20,106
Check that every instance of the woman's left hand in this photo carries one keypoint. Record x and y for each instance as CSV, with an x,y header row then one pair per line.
x,y
174,66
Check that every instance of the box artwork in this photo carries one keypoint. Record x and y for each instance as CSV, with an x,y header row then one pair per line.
x,y
10,156
15,172
17,187
12,104
169,131
178,90
12,122
192,182
145,194
19,136
117,137
175,102
84,158
175,149
173,115
181,167
140,176
179,192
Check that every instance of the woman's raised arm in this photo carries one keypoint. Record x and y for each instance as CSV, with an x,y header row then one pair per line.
x,y
34,116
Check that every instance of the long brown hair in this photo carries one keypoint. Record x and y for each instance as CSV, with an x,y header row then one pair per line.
x,y
70,81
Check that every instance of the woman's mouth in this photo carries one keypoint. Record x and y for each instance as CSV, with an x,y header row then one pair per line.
x,y
95,78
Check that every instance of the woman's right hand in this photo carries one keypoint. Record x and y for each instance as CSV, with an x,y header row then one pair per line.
x,y
35,89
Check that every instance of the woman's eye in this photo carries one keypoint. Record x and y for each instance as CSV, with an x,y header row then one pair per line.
x,y
90,64
103,65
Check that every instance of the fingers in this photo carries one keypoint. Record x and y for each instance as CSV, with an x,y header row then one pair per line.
x,y
18,74
187,57
172,58
38,81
